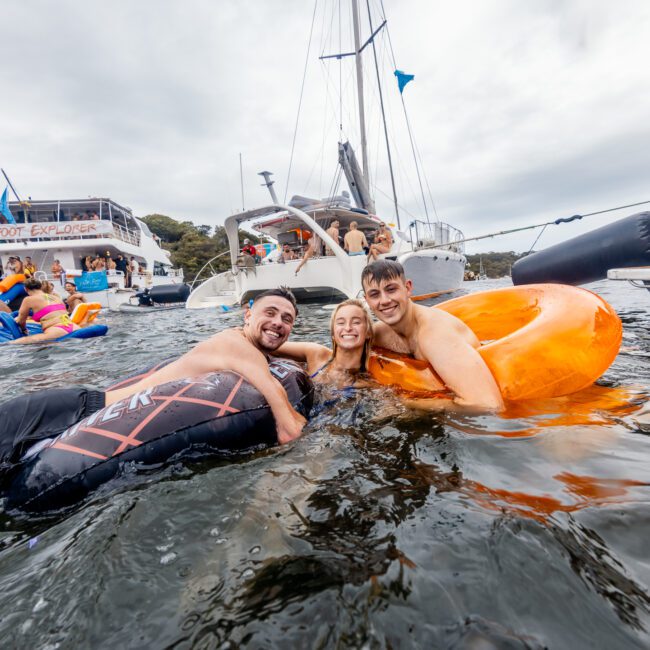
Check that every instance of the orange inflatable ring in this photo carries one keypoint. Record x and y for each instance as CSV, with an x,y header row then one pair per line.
x,y
10,280
538,340
85,312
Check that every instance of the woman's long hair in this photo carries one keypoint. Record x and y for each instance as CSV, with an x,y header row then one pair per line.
x,y
368,343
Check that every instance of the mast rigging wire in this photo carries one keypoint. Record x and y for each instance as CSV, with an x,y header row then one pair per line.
x,y
302,90
555,222
408,127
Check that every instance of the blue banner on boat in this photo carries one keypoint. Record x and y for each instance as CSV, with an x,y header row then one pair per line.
x,y
92,281
4,208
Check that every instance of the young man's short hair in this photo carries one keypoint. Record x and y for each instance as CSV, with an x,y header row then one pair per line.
x,y
382,270
282,292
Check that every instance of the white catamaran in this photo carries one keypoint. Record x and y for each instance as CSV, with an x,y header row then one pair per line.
x,y
71,230
431,252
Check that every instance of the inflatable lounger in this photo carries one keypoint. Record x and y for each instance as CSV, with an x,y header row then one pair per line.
x,y
9,330
216,414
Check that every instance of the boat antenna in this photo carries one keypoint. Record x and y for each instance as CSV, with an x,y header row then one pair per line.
x,y
10,185
383,118
241,181
269,183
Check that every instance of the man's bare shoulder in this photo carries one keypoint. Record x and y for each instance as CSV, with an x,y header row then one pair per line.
x,y
221,338
432,320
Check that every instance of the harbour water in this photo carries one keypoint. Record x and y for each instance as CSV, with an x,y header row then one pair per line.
x,y
380,528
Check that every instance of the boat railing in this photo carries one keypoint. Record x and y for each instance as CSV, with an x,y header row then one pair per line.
x,y
207,265
128,236
436,235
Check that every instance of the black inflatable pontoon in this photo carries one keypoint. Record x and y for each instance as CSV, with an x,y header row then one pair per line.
x,y
587,258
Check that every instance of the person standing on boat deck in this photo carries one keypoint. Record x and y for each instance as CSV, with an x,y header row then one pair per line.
x,y
313,248
57,269
428,334
355,241
382,244
30,267
249,249
98,263
133,267
122,266
333,232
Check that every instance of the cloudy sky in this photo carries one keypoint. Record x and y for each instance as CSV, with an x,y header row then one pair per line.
x,y
522,111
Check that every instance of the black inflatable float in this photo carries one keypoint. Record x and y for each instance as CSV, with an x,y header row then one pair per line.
x,y
587,258
217,414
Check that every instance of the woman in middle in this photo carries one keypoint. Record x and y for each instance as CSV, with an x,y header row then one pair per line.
x,y
340,367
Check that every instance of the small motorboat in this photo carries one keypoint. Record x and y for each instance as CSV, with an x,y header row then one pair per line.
x,y
157,298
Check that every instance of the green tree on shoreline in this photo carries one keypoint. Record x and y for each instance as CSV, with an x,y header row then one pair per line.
x,y
192,246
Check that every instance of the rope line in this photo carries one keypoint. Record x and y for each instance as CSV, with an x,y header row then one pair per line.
x,y
555,222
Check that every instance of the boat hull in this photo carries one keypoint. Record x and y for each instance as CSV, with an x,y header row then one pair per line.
x,y
328,279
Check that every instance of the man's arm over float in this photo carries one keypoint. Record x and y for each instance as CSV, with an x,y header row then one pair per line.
x,y
457,362
228,350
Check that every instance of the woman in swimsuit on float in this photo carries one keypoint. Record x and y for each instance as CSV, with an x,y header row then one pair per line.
x,y
48,310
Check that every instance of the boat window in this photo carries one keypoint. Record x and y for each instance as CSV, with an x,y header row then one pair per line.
x,y
145,228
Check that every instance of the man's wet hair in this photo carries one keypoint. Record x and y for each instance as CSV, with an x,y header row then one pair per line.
x,y
382,270
282,292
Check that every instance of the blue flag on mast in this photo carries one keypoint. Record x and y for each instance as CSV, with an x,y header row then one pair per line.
x,y
4,208
403,79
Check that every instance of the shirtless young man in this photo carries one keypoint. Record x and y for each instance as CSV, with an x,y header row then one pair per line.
x,y
267,325
355,241
333,232
429,334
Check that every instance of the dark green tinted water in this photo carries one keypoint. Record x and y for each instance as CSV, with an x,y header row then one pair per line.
x,y
374,530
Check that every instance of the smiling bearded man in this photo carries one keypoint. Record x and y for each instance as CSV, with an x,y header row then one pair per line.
x,y
267,325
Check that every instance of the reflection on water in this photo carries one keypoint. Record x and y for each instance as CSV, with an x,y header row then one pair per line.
x,y
382,527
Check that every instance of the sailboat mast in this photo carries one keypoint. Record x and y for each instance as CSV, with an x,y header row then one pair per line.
x,y
362,114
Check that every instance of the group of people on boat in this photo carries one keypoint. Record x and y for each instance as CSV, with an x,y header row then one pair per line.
x,y
404,327
127,267
354,243
16,265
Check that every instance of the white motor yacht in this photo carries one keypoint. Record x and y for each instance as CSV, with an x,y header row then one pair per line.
x,y
71,230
